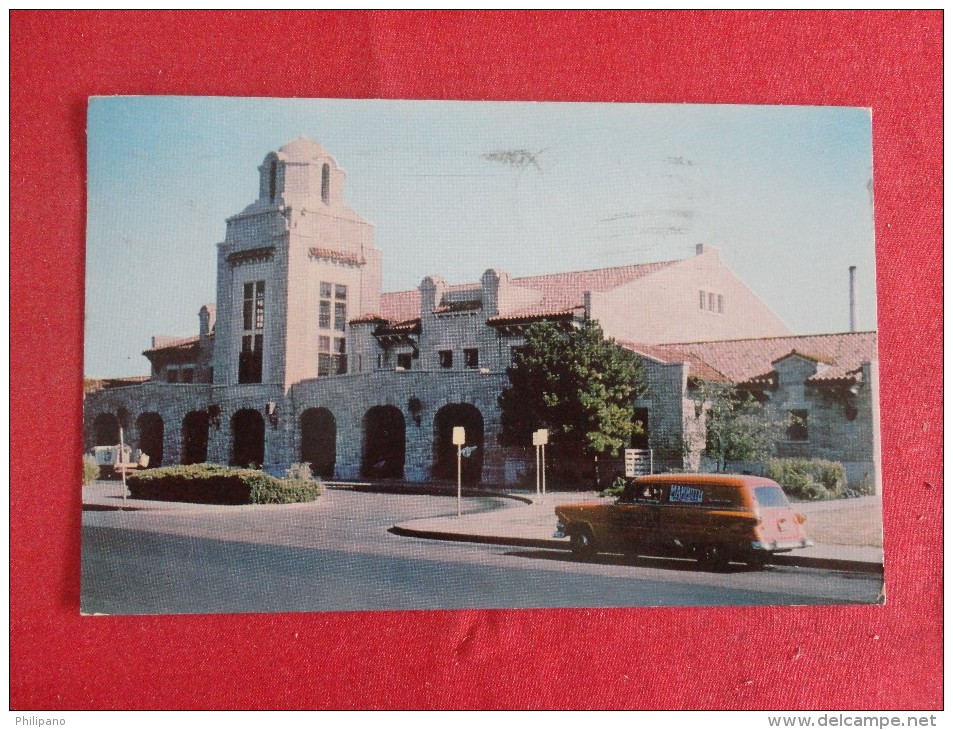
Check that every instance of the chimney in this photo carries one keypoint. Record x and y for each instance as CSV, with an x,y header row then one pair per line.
x,y
853,298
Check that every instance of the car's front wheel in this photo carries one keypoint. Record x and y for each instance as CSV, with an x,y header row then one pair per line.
x,y
581,542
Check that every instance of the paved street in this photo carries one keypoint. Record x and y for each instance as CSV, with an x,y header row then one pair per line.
x,y
337,554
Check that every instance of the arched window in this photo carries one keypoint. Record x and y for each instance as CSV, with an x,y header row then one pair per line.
x,y
325,183
273,180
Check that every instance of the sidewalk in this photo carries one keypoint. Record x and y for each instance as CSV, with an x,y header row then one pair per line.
x,y
533,525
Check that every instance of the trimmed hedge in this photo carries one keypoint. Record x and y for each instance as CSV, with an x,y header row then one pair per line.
x,y
213,484
807,479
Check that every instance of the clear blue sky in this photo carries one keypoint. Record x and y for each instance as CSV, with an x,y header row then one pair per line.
x,y
783,192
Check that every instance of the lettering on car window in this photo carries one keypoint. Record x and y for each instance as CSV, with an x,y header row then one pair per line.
x,y
680,493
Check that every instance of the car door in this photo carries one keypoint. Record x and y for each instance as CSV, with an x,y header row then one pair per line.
x,y
636,516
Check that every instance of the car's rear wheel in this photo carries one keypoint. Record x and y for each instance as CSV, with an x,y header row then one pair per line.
x,y
581,542
712,557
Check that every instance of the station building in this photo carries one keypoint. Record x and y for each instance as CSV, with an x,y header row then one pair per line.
x,y
302,358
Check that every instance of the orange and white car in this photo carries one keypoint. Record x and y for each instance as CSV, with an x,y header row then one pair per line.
x,y
714,518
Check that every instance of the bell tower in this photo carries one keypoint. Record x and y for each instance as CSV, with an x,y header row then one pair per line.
x,y
295,267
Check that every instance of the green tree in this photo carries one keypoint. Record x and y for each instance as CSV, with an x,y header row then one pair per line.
x,y
736,426
578,385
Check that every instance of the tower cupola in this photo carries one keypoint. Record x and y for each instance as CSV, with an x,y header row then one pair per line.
x,y
301,175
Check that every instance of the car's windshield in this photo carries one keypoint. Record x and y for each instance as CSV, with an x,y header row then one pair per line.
x,y
770,496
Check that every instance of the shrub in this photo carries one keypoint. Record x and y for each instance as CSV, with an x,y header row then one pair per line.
x,y
90,469
807,479
616,489
212,484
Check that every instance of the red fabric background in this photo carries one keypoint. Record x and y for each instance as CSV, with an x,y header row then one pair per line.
x,y
786,658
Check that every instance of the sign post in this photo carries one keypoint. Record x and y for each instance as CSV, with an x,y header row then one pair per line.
x,y
459,439
536,444
121,463
540,439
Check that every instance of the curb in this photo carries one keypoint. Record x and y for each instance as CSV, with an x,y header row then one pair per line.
x,y
480,539
422,488
838,564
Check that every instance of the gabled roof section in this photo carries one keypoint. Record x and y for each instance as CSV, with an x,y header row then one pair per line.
x,y
841,356
561,293
825,359
565,292
697,368
400,305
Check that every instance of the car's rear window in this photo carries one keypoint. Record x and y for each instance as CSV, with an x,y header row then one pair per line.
x,y
770,496
718,495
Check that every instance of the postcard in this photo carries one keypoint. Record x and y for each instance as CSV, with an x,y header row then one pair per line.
x,y
348,355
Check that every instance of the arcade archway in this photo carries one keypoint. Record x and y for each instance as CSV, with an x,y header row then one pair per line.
x,y
248,438
150,428
445,452
194,438
319,441
384,443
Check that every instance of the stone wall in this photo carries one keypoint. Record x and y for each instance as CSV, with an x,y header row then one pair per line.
x,y
350,397
172,401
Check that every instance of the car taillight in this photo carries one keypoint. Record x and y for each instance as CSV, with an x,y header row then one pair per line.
x,y
799,518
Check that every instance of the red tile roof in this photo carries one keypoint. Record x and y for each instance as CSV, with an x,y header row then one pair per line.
x,y
91,385
369,319
400,305
698,368
840,355
561,293
179,343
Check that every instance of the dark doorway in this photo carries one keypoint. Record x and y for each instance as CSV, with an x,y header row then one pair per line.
x,y
106,430
382,455
248,438
149,426
445,452
640,417
195,437
319,441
